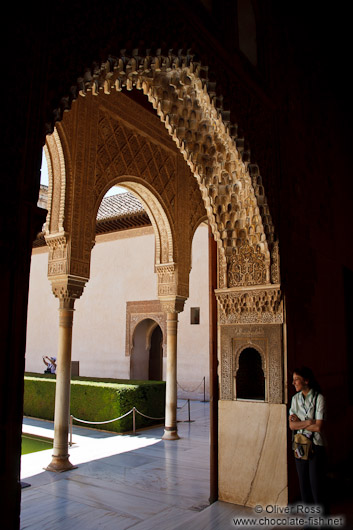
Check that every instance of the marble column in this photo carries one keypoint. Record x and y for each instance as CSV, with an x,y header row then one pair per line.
x,y
170,428
60,459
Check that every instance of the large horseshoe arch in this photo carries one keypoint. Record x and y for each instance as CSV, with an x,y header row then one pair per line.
x,y
252,434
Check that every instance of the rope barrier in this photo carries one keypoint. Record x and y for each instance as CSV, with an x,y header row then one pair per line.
x,y
198,386
133,411
149,417
181,408
102,422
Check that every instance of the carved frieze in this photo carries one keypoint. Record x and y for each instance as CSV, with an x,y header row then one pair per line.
x,y
59,262
58,248
167,279
275,268
222,271
80,268
250,306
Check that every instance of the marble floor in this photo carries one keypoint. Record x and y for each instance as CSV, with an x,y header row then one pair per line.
x,y
126,482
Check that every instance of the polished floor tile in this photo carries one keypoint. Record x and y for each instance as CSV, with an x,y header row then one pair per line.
x,y
126,482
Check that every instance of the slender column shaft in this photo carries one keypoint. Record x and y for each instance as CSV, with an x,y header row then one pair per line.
x,y
60,460
170,429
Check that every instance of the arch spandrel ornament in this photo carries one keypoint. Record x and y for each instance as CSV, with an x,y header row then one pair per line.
x,y
247,266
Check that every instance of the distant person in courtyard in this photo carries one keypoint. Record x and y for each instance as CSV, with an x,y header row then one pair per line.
x,y
50,363
307,416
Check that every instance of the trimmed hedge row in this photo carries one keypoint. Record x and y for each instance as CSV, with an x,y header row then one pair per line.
x,y
97,400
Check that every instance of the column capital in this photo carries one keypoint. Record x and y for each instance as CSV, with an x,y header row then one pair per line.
x,y
174,304
172,281
68,289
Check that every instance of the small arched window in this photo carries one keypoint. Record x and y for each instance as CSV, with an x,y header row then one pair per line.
x,y
250,379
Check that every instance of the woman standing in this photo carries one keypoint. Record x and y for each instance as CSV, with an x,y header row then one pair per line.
x,y
307,415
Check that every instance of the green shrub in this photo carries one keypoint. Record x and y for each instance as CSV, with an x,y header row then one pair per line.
x,y
94,399
39,397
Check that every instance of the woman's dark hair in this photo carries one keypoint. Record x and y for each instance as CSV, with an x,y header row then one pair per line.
x,y
307,374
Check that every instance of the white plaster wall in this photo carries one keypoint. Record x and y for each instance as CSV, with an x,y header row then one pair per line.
x,y
43,315
122,269
193,339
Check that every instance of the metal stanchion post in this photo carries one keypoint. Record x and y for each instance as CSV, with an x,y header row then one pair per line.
x,y
204,390
134,420
189,409
70,443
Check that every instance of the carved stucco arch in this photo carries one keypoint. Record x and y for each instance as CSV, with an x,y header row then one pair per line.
x,y
243,347
186,103
57,183
165,252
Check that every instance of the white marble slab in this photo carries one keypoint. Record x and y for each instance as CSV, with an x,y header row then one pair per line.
x,y
47,512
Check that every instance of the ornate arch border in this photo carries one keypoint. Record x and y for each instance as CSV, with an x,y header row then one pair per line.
x,y
138,311
54,155
153,204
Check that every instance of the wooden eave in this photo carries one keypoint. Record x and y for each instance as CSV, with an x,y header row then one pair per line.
x,y
109,225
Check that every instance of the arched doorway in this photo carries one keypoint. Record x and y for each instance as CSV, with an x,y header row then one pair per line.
x,y
147,351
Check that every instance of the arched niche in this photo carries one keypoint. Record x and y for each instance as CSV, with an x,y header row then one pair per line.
x,y
249,377
146,360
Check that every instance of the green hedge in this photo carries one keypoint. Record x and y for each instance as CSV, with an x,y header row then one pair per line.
x,y
94,399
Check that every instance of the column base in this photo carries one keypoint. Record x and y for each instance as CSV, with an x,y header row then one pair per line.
x,y
59,464
170,435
